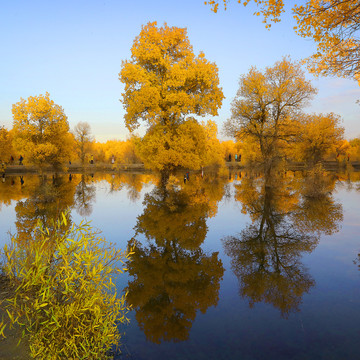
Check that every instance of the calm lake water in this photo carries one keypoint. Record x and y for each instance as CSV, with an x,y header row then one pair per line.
x,y
248,267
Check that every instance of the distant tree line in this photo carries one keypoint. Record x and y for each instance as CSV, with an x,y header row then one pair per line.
x,y
168,88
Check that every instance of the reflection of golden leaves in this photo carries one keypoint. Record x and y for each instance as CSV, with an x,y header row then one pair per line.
x,y
266,255
173,278
173,218
48,198
11,190
171,284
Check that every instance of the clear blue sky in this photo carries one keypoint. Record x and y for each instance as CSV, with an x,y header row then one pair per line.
x,y
73,50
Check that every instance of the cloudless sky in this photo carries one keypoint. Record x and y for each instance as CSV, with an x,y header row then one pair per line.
x,y
73,49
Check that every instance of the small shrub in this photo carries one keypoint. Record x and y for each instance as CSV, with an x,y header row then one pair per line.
x,y
64,296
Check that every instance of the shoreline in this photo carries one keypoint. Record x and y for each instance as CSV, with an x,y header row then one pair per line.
x,y
115,168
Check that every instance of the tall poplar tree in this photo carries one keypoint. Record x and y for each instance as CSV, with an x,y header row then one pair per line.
x,y
165,86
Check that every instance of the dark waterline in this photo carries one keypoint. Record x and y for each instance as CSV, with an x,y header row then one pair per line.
x,y
213,281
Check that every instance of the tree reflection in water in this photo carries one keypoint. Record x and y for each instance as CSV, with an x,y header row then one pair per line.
x,y
48,197
45,197
286,223
173,277
85,196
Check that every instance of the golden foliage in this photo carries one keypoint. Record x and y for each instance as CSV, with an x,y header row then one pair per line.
x,y
64,295
173,277
164,83
124,152
214,155
319,135
270,9
288,215
186,146
265,106
228,147
354,149
6,149
41,131
332,24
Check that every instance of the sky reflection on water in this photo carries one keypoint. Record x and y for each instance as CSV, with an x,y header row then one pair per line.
x,y
252,268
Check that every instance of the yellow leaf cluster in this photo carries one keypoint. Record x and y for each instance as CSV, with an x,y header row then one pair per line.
x,y
333,24
266,105
319,135
270,9
124,152
64,296
164,80
164,148
41,131
165,83
6,148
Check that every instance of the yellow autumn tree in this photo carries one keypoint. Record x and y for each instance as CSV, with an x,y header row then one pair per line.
x,y
165,85
213,150
163,148
342,148
265,106
333,25
123,152
41,131
354,150
250,151
319,136
228,147
6,150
